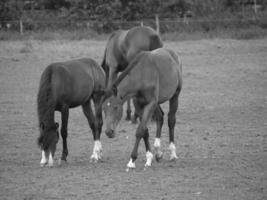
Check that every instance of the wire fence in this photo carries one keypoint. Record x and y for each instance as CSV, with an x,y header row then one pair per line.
x,y
164,25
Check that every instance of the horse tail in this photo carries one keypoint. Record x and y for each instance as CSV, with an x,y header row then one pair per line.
x,y
105,66
180,66
45,107
155,42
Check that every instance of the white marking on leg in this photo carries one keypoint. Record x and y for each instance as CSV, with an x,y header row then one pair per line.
x,y
149,158
43,160
97,151
157,143
172,149
50,160
159,153
131,165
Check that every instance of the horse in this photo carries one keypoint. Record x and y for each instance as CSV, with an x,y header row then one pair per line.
x,y
66,85
153,77
122,47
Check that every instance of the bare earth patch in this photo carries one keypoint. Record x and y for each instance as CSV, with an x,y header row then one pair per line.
x,y
221,130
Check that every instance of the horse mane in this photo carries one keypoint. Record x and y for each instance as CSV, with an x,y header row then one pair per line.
x,y
103,64
45,108
113,89
125,72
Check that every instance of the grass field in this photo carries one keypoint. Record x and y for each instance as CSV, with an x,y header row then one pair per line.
x,y
221,129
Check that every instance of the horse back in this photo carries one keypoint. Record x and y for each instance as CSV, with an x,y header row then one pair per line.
x,y
73,82
123,46
169,68
158,70
141,39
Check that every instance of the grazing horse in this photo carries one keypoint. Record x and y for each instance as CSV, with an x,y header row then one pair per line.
x,y
66,85
152,78
122,47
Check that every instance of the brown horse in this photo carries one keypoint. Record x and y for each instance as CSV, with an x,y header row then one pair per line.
x,y
152,78
122,47
66,85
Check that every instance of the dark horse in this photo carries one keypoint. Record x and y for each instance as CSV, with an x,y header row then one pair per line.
x,y
152,78
66,85
122,47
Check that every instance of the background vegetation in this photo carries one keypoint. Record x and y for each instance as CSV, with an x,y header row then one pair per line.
x,y
78,19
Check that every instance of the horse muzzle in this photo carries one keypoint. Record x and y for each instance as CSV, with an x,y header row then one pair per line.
x,y
110,133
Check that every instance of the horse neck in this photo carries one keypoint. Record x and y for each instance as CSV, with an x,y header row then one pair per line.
x,y
46,115
129,68
127,88
127,83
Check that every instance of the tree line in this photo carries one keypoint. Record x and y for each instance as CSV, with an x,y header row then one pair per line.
x,y
105,11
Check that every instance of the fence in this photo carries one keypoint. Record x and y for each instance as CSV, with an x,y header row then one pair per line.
x,y
164,25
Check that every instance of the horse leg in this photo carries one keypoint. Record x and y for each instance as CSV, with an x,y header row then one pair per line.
x,y
139,108
44,159
128,111
98,126
98,115
136,112
97,151
171,123
159,120
112,75
64,131
140,133
106,69
149,155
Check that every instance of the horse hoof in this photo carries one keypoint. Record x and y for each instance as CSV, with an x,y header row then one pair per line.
x,y
173,158
147,167
43,164
94,160
62,162
159,156
127,118
134,121
130,165
50,165
95,157
129,169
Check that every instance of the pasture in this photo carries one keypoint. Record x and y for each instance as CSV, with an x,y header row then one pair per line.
x,y
220,135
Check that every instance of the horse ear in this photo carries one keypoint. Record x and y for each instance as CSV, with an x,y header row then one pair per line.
x,y
56,125
108,93
114,90
42,126
102,92
105,95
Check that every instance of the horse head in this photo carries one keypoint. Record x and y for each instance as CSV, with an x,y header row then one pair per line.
x,y
47,141
113,107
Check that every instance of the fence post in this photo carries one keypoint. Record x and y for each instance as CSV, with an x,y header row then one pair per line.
x,y
157,23
255,7
21,26
185,20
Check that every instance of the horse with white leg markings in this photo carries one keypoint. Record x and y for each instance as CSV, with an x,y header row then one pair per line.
x,y
66,85
152,78
122,47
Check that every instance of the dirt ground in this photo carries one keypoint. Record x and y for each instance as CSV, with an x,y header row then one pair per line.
x,y
221,129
